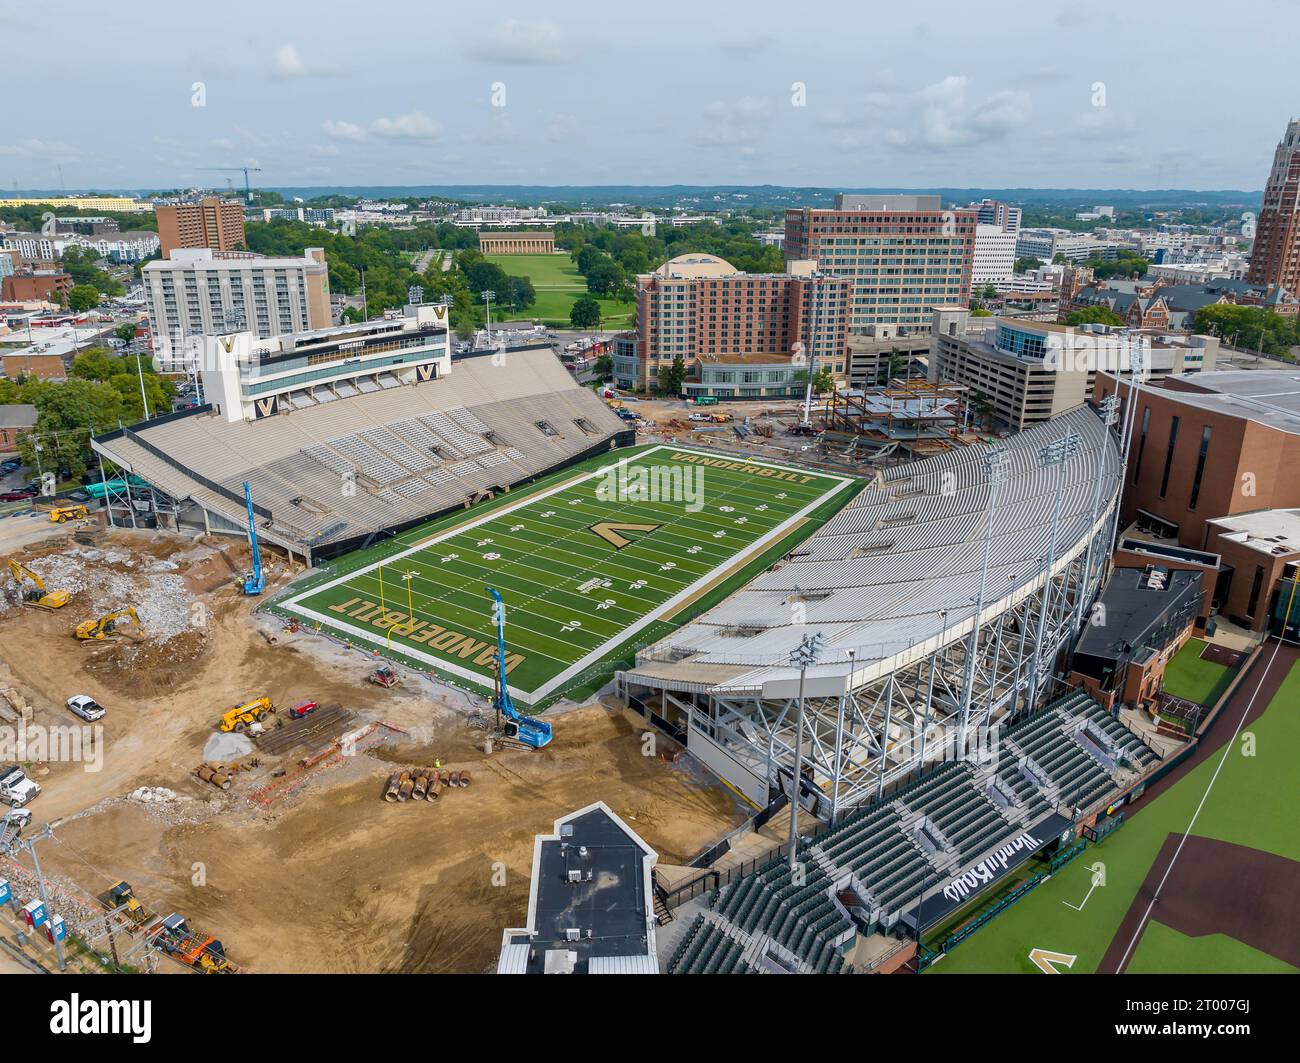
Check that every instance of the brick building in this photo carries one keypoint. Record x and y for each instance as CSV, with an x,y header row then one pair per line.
x,y
51,286
1208,445
750,334
1275,255
211,222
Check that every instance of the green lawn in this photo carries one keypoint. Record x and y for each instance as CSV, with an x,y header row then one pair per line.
x,y
1189,677
559,285
1163,950
574,589
1252,804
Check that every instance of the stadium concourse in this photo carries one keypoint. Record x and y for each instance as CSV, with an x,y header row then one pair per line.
x,y
369,453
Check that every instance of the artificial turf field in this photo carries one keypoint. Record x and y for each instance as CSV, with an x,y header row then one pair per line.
x,y
585,562
1250,807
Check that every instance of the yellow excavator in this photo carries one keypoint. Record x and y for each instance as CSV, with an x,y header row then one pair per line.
x,y
37,594
107,624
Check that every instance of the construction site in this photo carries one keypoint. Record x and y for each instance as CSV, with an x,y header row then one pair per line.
x,y
256,797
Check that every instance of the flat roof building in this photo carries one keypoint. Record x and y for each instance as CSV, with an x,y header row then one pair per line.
x,y
201,292
590,901
1207,446
903,254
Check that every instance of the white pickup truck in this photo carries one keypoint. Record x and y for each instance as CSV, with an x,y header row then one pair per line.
x,y
15,788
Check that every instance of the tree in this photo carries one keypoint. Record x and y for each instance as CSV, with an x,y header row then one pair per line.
x,y
1093,315
979,311
982,407
673,377
1027,263
67,415
96,363
125,331
585,313
83,297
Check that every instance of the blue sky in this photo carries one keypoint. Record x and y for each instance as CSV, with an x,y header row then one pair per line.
x,y
576,92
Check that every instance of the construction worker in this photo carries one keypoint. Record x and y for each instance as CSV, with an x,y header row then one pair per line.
x,y
437,762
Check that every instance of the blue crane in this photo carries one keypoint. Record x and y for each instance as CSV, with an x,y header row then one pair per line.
x,y
255,581
529,729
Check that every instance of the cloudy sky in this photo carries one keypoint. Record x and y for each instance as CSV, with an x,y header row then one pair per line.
x,y
1104,94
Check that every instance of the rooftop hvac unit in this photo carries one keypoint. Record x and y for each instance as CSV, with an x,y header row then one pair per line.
x,y
575,876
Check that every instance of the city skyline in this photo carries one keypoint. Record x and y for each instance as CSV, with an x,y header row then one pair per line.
x,y
572,96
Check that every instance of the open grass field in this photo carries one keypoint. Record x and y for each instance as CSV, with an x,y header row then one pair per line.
x,y
559,285
590,560
1226,903
1188,676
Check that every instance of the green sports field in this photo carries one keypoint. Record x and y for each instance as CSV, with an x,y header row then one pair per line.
x,y
1079,911
586,562
558,284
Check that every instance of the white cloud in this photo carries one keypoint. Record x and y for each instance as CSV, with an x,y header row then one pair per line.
x,y
343,130
515,43
288,65
414,126
944,119
56,151
561,127
736,123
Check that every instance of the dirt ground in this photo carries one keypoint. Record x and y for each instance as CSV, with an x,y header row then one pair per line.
x,y
330,877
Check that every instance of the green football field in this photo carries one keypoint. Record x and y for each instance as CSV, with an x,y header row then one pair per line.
x,y
1078,911
586,562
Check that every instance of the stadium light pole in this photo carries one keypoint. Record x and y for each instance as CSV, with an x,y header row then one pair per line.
x,y
1109,413
1055,454
802,657
995,470
488,295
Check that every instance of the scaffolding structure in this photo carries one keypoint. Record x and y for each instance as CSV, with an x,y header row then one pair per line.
x,y
874,716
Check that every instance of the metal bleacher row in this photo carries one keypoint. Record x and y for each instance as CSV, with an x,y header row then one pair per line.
x,y
890,852
380,456
706,949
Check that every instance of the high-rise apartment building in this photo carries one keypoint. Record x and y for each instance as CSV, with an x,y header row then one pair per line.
x,y
904,255
200,292
1275,257
211,222
750,334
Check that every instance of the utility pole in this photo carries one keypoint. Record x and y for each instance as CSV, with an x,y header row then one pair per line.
x,y
804,655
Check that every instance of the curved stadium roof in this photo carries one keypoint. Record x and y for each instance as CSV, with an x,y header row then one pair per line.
x,y
877,577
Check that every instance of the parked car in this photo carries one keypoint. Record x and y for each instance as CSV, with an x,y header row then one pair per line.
x,y
303,708
21,495
86,707
12,465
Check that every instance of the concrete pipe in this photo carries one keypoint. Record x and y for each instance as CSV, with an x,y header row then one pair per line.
x,y
464,777
390,791
455,779
405,788
435,789
421,786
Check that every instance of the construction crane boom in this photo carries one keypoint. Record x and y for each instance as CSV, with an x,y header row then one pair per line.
x,y
245,170
530,730
255,581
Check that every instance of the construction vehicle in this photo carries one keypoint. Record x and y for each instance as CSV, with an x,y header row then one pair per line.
x,y
383,676
37,595
255,581
120,897
200,951
59,514
15,788
108,623
245,715
527,729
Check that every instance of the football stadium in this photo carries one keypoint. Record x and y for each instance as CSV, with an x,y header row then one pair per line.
x,y
883,647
